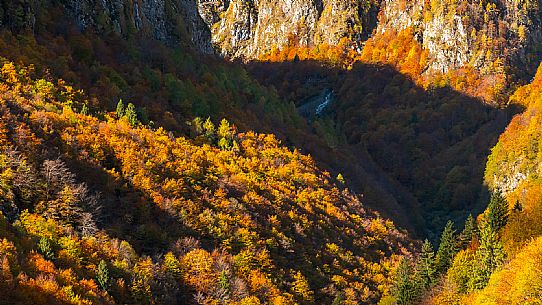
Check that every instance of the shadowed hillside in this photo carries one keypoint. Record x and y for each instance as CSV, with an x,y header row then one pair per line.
x,y
428,146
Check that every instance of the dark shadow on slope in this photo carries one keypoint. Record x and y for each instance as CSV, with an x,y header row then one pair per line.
x,y
391,139
417,155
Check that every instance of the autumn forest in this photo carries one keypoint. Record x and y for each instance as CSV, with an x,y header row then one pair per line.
x,y
244,152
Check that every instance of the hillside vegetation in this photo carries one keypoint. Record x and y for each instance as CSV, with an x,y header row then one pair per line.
x,y
495,259
102,209
137,166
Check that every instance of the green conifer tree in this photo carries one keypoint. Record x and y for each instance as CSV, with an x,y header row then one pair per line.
x,y
225,135
224,281
224,129
209,129
406,289
44,247
490,253
469,232
120,109
224,144
497,214
131,115
172,265
425,268
84,109
197,125
446,249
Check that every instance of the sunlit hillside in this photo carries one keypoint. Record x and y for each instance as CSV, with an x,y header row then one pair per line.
x,y
308,152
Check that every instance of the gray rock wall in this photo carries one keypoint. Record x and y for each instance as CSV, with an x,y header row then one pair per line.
x,y
249,28
165,20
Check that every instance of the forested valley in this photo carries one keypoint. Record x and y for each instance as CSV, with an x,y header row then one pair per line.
x,y
174,152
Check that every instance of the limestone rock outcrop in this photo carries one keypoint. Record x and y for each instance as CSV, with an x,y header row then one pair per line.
x,y
249,28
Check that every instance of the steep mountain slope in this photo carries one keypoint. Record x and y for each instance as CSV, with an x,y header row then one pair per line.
x,y
496,258
170,85
403,98
414,128
495,41
432,144
248,29
170,21
514,165
176,82
247,220
486,35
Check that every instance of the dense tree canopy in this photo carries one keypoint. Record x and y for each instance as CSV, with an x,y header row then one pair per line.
x,y
224,217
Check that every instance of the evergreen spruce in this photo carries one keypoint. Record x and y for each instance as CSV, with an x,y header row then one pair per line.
x,y
446,249
224,129
406,289
490,253
172,265
131,115
425,268
225,135
469,231
197,126
120,109
209,129
224,281
497,211
84,110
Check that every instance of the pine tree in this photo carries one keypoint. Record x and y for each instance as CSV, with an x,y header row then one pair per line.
x,y
446,249
469,231
225,135
406,289
197,125
120,109
131,115
340,178
425,268
102,275
490,253
224,144
497,211
301,288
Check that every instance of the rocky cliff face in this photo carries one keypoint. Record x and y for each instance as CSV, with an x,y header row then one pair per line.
x,y
171,21
249,28
160,19
481,34
485,35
